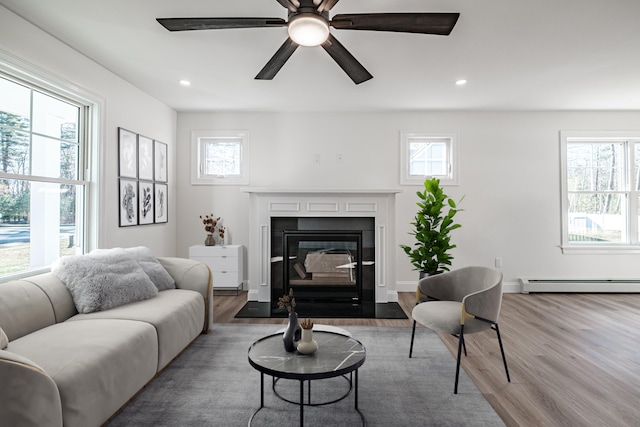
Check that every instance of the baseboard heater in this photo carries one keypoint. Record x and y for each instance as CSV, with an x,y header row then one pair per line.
x,y
580,285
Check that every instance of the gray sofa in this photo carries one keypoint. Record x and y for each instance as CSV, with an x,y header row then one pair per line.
x,y
65,368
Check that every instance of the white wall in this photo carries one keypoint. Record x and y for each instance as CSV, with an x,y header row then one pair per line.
x,y
510,163
125,106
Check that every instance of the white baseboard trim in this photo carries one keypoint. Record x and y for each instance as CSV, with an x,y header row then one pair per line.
x,y
410,286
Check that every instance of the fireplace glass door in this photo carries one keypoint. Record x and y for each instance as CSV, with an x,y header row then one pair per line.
x,y
323,265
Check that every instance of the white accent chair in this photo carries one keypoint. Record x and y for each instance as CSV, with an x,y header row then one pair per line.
x,y
460,302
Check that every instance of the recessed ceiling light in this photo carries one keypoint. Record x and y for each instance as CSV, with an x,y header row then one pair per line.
x,y
461,82
185,82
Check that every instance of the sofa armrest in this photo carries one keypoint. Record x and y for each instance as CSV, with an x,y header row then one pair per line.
x,y
195,276
28,394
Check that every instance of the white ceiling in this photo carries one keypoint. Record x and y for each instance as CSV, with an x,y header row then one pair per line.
x,y
515,54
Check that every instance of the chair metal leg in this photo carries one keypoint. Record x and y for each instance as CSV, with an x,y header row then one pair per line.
x,y
413,334
504,359
460,344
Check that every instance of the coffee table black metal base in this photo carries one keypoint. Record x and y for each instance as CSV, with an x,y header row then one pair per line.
x,y
340,355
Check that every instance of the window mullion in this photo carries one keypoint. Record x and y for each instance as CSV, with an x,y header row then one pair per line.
x,y
633,194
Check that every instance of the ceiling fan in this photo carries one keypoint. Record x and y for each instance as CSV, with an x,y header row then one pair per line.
x,y
309,23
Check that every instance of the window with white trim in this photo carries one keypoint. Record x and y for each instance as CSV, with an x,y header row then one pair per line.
x,y
43,175
600,191
428,155
219,157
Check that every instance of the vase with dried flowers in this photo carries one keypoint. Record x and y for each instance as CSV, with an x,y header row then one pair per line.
x,y
293,330
307,345
210,226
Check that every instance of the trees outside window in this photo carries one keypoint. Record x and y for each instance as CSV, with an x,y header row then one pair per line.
x,y
42,190
600,189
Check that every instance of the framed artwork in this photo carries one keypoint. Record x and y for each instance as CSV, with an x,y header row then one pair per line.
x,y
128,202
161,203
160,163
127,154
145,202
145,158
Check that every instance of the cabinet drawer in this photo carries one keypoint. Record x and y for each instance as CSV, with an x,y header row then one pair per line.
x,y
225,279
201,250
223,263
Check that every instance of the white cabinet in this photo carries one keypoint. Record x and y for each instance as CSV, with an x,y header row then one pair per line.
x,y
225,263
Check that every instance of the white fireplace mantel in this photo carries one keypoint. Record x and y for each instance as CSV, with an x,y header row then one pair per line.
x,y
295,202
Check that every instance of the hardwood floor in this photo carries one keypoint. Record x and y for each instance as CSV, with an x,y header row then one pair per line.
x,y
574,359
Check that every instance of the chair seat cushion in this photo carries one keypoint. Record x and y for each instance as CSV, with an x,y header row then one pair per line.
x,y
444,316
440,316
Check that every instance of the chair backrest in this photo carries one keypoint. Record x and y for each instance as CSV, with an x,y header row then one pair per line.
x,y
479,288
485,298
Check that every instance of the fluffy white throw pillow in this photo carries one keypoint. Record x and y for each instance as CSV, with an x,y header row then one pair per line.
x,y
103,280
4,340
149,263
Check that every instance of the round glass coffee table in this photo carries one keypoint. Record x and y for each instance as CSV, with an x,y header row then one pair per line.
x,y
337,355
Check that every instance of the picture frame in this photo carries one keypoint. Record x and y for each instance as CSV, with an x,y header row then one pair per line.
x,y
128,202
160,161
161,203
145,158
145,202
127,154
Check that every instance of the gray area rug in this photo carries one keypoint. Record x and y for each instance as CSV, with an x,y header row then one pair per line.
x,y
212,384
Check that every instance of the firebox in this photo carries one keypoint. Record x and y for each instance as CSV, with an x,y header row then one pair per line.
x,y
320,264
323,260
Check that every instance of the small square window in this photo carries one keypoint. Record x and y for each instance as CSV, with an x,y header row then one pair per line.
x,y
425,154
219,157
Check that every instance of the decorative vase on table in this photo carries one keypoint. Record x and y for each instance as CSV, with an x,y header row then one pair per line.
x,y
307,345
292,332
209,241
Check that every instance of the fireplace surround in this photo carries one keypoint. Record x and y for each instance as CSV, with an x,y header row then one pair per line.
x,y
308,207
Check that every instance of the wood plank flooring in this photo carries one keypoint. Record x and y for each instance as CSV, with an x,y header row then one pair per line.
x,y
574,359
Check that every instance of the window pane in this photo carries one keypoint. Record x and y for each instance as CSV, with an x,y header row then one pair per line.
x,y
428,158
222,158
14,104
14,150
38,223
597,217
55,118
595,166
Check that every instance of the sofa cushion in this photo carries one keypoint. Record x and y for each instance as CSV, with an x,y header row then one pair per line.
x,y
24,308
58,294
100,281
97,365
4,340
176,314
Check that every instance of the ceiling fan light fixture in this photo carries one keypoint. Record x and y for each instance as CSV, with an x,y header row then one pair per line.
x,y
308,29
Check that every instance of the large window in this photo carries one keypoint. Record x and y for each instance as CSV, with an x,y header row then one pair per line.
x,y
42,181
219,157
600,190
428,154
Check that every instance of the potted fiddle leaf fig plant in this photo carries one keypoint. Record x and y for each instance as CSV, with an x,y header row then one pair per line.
x,y
432,225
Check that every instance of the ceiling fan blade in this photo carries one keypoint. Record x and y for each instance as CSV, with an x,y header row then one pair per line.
x,y
346,61
326,5
276,62
289,5
187,24
424,23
